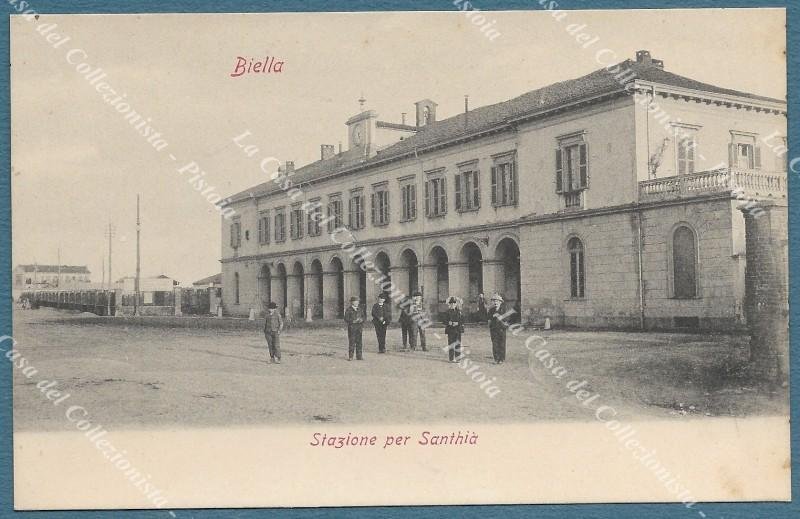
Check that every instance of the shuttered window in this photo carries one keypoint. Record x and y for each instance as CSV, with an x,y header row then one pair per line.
x,y
504,184
467,190
355,210
408,195
436,197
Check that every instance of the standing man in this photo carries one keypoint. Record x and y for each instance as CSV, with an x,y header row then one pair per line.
x,y
454,327
497,328
273,326
406,323
381,319
418,314
354,320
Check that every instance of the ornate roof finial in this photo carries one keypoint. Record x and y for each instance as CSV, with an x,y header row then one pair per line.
x,y
362,101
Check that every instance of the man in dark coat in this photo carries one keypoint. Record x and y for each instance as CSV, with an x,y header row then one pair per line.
x,y
454,327
354,320
498,328
409,335
381,319
273,326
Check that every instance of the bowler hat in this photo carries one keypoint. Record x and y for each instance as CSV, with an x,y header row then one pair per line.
x,y
272,305
354,298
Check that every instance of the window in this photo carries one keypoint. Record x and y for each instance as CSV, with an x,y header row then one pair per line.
x,y
743,152
436,196
236,235
280,225
684,263
356,209
504,182
314,218
686,147
236,288
296,223
408,199
334,212
576,269
263,228
380,204
468,196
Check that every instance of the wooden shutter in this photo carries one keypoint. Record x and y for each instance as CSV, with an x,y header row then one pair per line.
x,y
427,198
494,185
443,195
386,209
260,230
514,187
476,187
757,157
584,166
266,229
412,196
559,171
458,205
732,155
374,208
233,235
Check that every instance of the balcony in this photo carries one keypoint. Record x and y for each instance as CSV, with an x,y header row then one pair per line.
x,y
752,183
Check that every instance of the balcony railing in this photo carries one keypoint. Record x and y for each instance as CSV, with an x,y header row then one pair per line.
x,y
752,183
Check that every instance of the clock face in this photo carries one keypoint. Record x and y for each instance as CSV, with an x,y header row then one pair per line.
x,y
358,136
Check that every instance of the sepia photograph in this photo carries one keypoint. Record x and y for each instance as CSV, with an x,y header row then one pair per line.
x,y
462,256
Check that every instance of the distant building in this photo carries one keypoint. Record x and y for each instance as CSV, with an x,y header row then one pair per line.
x,y
47,277
214,281
612,200
155,290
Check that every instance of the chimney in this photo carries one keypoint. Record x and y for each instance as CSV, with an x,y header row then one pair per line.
x,y
403,118
326,151
643,57
658,63
289,167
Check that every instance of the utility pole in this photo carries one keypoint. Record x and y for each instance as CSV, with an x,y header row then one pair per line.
x,y
110,234
58,281
138,257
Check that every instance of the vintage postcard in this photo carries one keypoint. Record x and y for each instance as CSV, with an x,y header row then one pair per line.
x,y
399,258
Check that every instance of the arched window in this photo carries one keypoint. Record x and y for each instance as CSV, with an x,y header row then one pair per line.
x,y
684,263
576,268
236,288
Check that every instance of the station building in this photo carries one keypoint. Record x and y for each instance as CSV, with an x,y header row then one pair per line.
x,y
616,199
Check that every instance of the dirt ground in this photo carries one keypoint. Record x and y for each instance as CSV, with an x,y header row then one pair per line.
x,y
145,377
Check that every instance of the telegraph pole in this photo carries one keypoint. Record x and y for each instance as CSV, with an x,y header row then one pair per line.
x,y
138,257
58,281
110,234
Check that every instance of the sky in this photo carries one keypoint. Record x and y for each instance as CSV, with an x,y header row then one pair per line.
x,y
78,165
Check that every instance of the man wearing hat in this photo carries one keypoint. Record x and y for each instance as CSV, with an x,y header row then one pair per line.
x,y
498,328
381,319
354,320
273,326
454,327
417,316
406,324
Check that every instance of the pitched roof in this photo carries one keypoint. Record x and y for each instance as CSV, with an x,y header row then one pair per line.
x,y
484,118
215,279
65,269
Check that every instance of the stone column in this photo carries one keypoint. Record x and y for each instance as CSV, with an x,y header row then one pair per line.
x,y
767,289
458,274
429,287
400,280
329,295
309,286
292,287
492,280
